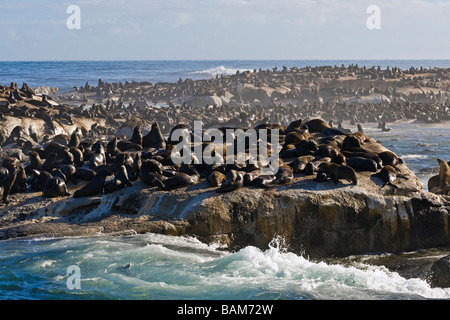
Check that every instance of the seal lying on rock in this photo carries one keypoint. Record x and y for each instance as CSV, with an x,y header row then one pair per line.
x,y
388,175
234,181
120,181
39,180
95,186
216,178
55,187
180,180
337,172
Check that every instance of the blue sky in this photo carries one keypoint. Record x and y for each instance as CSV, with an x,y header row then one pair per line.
x,y
224,29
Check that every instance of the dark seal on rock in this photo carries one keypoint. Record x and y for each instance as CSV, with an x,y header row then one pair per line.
x,y
39,179
95,186
120,180
55,187
7,183
234,181
337,172
363,164
180,180
216,178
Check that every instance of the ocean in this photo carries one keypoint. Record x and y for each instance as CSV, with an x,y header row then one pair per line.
x,y
157,267
67,74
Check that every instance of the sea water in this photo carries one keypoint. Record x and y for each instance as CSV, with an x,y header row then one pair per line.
x,y
67,74
158,267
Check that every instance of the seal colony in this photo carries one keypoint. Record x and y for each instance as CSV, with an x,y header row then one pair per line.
x,y
55,151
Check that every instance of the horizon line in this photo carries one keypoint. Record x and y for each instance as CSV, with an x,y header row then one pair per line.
x,y
180,60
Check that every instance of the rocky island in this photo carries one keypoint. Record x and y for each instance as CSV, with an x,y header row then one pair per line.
x,y
63,142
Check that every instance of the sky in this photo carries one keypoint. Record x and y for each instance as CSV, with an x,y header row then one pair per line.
x,y
224,30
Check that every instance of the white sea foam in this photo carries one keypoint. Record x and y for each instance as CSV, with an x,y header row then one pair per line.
x,y
159,266
414,156
219,70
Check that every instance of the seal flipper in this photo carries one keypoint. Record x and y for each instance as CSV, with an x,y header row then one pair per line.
x,y
158,183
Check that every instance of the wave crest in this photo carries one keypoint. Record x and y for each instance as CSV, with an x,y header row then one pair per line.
x,y
219,70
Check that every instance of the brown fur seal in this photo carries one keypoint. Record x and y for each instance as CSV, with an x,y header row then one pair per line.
x,y
433,184
369,155
444,176
250,176
299,164
337,172
95,186
388,175
284,175
363,164
55,187
317,125
216,178
11,163
20,185
265,181
180,180
389,158
6,184
85,174
154,139
234,181
35,162
137,135
120,180
39,179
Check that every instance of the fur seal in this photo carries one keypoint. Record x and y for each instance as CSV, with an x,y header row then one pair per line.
x,y
120,180
6,184
363,164
49,163
390,158
317,125
284,175
99,156
216,178
388,175
74,140
20,185
39,179
337,172
55,187
433,184
368,155
10,163
444,176
154,139
35,162
95,186
250,176
299,164
85,174
234,181
150,171
180,180
137,135
265,181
